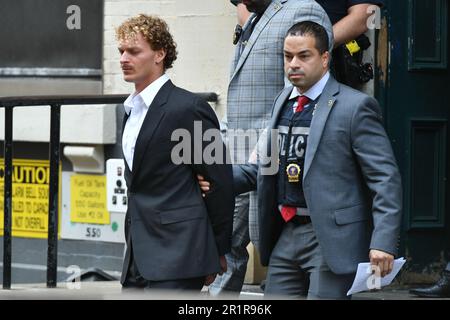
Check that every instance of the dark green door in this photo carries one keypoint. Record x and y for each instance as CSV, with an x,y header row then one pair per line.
x,y
414,89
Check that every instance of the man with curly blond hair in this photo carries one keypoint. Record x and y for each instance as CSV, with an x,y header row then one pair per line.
x,y
175,239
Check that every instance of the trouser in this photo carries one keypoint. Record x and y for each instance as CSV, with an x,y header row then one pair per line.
x,y
134,280
297,268
231,282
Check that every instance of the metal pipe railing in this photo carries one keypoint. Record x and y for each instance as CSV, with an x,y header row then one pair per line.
x,y
52,252
7,201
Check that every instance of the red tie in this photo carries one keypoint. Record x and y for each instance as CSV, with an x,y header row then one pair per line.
x,y
301,102
288,212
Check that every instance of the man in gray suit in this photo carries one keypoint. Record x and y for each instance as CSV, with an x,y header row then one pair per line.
x,y
256,78
329,192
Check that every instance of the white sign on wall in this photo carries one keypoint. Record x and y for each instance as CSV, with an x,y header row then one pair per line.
x,y
113,231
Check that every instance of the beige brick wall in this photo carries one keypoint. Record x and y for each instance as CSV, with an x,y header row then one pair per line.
x,y
203,32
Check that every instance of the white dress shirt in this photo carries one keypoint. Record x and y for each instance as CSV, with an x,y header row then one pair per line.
x,y
313,92
136,106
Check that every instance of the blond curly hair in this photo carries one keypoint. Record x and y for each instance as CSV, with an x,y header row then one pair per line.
x,y
155,31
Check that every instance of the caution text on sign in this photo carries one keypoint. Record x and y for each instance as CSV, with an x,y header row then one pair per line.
x,y
29,198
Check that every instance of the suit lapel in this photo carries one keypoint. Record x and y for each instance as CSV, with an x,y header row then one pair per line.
x,y
273,8
152,119
277,108
247,25
124,121
322,110
127,168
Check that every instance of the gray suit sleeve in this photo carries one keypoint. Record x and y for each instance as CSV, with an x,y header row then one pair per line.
x,y
378,165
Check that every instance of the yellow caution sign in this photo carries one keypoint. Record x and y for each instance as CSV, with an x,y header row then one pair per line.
x,y
88,199
29,198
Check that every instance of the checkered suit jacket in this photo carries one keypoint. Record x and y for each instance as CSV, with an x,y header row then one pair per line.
x,y
257,74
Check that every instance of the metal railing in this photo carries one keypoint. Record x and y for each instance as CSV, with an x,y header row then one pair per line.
x,y
55,103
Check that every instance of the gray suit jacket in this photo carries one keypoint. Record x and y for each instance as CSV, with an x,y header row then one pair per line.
x,y
257,74
351,180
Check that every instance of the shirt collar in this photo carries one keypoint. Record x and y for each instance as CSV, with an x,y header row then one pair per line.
x,y
147,95
313,92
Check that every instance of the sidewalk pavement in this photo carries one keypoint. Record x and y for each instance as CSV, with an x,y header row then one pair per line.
x,y
112,290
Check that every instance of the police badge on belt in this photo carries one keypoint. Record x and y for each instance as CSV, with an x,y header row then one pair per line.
x,y
293,172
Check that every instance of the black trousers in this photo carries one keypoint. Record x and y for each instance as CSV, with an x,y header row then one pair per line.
x,y
134,280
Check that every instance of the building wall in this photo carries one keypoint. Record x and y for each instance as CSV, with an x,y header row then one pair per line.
x,y
202,30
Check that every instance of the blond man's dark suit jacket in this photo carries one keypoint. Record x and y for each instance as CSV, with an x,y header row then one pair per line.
x,y
175,233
